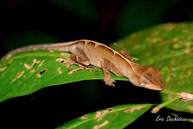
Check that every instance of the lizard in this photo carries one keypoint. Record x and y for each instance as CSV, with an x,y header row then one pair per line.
x,y
87,52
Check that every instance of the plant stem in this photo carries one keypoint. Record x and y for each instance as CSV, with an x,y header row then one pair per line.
x,y
160,106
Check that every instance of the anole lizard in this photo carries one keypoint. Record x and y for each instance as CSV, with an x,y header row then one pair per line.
x,y
87,52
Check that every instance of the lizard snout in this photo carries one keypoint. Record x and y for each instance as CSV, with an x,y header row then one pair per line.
x,y
151,79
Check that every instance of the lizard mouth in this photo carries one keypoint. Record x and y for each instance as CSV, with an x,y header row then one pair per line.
x,y
152,86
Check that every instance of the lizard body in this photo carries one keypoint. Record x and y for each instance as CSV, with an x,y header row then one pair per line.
x,y
87,52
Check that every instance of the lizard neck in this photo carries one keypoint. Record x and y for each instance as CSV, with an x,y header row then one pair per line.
x,y
132,75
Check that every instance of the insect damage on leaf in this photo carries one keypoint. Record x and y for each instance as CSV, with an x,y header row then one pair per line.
x,y
64,54
39,75
186,96
133,109
59,70
100,115
61,60
3,68
84,117
18,75
188,51
75,70
41,63
32,71
189,73
101,125
33,64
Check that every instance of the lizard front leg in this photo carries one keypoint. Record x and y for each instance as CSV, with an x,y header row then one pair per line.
x,y
106,64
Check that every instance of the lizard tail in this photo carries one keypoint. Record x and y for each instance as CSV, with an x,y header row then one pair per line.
x,y
66,46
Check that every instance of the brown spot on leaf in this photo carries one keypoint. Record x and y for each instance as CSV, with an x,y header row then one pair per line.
x,y
110,109
75,70
64,61
3,68
100,115
41,63
133,109
64,54
33,64
189,73
18,75
188,51
32,71
101,125
38,75
60,60
83,117
186,96
59,70
27,66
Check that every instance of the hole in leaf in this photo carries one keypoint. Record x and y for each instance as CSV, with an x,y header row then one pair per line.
x,y
43,71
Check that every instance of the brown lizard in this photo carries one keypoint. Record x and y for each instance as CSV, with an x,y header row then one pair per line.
x,y
87,52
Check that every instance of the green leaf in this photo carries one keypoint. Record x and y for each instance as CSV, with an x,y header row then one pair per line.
x,y
28,72
190,120
170,48
116,117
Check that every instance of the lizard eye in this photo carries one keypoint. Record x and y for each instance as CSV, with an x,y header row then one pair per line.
x,y
144,81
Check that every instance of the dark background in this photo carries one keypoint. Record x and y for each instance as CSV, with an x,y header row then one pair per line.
x,y
25,22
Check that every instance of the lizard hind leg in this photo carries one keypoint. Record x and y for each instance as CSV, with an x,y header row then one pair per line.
x,y
128,56
105,64
79,58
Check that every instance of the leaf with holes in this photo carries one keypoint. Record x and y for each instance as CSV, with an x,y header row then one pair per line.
x,y
27,72
116,117
170,48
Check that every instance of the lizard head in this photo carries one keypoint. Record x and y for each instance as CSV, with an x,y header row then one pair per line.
x,y
151,79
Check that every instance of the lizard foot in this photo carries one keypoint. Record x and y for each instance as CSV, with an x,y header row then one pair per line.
x,y
109,82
